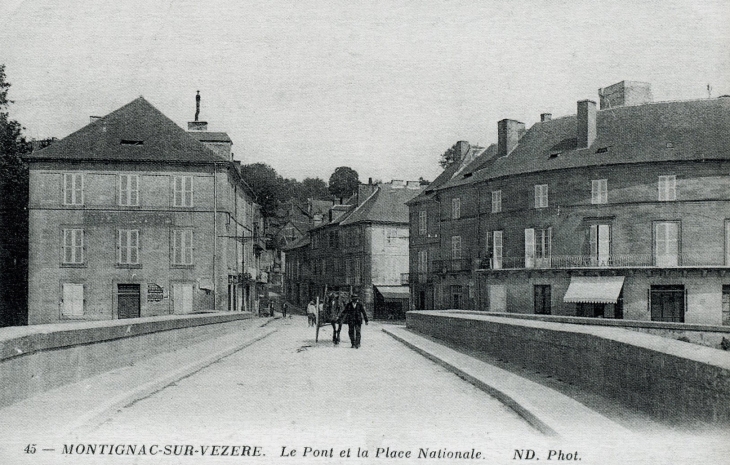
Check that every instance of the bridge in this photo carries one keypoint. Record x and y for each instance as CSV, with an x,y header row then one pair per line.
x,y
449,386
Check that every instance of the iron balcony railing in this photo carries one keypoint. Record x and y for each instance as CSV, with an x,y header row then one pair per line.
x,y
588,261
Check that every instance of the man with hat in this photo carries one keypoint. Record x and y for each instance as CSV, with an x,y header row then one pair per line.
x,y
353,315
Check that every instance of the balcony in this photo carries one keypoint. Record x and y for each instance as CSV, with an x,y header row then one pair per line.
x,y
450,266
588,261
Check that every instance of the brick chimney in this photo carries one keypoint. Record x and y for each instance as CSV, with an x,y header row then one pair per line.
x,y
586,130
509,133
625,93
462,148
546,117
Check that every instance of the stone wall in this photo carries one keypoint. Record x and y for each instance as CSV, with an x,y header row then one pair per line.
x,y
673,381
39,358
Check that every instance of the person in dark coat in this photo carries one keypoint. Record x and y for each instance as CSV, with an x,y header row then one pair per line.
x,y
353,316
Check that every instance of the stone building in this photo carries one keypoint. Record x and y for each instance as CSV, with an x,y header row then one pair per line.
x,y
617,212
131,216
361,247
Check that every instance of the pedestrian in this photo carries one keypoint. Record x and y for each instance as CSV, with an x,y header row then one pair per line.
x,y
283,310
353,316
311,317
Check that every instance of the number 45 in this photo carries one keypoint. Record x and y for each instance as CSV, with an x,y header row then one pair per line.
x,y
30,449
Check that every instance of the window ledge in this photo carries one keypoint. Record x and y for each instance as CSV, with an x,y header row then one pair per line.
x,y
183,267
128,265
73,265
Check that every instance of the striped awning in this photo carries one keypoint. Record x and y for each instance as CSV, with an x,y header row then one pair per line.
x,y
594,289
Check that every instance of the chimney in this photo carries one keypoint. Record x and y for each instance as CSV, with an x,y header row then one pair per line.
x,y
546,117
197,125
625,93
586,130
509,133
364,191
462,148
370,181
93,119
413,185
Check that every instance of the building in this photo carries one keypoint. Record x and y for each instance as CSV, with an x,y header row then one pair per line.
x,y
617,212
360,247
133,216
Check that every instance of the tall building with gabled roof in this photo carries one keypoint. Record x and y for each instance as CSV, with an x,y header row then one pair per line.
x,y
131,216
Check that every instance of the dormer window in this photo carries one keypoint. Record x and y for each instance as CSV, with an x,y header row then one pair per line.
x,y
131,142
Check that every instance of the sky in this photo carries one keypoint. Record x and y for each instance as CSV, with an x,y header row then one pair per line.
x,y
382,87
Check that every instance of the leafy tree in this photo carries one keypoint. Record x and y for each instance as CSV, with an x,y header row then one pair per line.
x,y
13,214
268,186
343,182
314,188
447,158
423,182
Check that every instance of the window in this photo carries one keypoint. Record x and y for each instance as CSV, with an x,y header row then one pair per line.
x,y
727,242
456,208
599,191
541,195
358,276
422,261
497,250
666,243
128,247
667,188
496,201
182,247
391,234
128,190
456,299
73,189
455,247
600,244
73,246
183,196
537,248
73,300
422,222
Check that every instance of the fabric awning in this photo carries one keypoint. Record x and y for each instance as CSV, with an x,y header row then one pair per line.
x,y
394,292
594,289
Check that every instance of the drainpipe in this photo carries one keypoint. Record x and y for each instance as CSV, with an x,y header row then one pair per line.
x,y
215,236
475,275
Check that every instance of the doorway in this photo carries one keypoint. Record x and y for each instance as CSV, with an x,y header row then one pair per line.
x,y
182,298
667,303
128,301
542,299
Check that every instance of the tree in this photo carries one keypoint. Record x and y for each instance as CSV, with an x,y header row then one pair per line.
x,y
268,186
13,214
314,188
423,182
343,182
447,158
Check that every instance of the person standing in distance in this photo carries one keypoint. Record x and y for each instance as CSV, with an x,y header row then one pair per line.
x,y
353,316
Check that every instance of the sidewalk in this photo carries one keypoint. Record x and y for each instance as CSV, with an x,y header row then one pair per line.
x,y
547,410
57,414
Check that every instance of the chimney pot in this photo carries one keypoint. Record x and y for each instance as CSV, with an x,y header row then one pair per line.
x,y
586,119
509,133
546,117
197,125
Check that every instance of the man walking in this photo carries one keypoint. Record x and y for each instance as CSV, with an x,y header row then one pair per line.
x,y
353,315
311,313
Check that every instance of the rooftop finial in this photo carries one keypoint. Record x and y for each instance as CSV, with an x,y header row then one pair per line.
x,y
197,105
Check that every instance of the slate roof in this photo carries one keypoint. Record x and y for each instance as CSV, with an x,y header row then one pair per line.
x,y
301,242
205,136
386,205
654,132
135,132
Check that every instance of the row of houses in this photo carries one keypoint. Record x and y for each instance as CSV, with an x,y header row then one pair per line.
x,y
620,211
357,247
133,216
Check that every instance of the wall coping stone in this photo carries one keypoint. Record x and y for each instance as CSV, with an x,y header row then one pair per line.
x,y
605,321
23,340
715,357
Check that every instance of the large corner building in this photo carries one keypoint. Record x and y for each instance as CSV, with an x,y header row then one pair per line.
x,y
621,210
133,216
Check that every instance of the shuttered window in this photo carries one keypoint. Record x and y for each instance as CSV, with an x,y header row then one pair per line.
x,y
73,246
128,247
73,189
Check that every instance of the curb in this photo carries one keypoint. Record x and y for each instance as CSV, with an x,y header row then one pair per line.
x,y
89,421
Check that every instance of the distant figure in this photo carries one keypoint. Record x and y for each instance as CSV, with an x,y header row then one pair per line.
x,y
352,316
311,313
283,310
